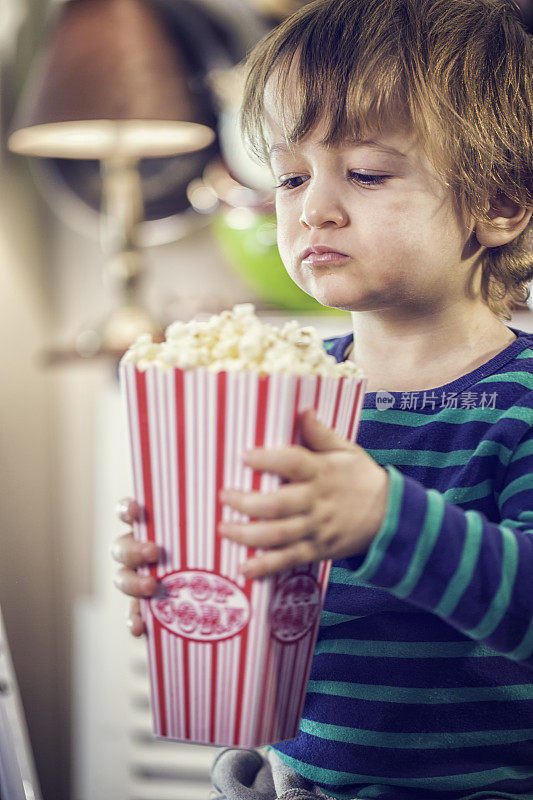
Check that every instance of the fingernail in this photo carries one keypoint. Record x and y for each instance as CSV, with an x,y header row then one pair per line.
x,y
147,585
127,510
121,508
147,550
129,623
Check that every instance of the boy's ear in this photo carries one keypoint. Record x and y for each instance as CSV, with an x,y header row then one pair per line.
x,y
508,220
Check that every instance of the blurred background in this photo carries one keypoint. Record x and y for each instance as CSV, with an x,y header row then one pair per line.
x,y
127,201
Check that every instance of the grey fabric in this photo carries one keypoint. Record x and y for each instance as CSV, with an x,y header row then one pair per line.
x,y
287,782
240,774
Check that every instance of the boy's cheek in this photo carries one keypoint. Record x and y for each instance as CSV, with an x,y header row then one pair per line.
x,y
283,248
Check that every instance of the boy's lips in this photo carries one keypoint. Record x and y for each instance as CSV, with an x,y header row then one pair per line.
x,y
321,254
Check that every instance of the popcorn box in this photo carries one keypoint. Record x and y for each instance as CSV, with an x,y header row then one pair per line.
x,y
229,658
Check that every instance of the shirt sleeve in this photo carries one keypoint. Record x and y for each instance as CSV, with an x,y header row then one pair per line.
x,y
475,574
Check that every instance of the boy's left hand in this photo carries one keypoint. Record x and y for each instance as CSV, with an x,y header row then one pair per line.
x,y
332,506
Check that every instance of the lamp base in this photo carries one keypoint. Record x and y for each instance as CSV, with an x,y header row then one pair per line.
x,y
107,339
117,331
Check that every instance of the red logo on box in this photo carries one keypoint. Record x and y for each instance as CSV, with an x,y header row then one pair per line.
x,y
294,608
200,605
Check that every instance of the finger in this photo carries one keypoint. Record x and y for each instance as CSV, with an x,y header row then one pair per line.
x,y
303,552
289,499
128,511
320,437
267,534
294,463
128,551
133,584
135,621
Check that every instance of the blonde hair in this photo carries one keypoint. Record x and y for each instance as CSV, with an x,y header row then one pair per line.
x,y
458,72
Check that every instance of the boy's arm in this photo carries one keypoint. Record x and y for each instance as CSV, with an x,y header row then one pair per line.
x,y
475,574
399,536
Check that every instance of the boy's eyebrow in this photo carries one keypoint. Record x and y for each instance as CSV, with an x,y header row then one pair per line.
x,y
279,147
282,147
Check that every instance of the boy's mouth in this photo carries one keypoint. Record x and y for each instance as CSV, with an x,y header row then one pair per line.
x,y
321,254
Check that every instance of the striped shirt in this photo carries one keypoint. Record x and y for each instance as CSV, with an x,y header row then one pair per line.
x,y
422,679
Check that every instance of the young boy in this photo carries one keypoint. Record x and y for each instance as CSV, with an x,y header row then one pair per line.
x,y
400,137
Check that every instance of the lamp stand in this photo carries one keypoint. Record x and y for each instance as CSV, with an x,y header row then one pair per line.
x,y
122,211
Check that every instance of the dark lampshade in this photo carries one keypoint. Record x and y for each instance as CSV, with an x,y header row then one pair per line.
x,y
110,81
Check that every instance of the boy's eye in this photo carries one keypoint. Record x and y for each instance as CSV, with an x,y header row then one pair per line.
x,y
291,183
367,179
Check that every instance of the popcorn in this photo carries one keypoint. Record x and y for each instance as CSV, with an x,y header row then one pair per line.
x,y
236,339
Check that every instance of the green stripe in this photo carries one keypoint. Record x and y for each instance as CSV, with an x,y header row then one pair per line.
x,y
424,546
522,484
389,526
373,648
400,694
527,353
523,378
525,648
466,494
332,618
436,458
413,741
522,451
345,576
519,413
470,780
500,601
527,516
463,574
453,416
411,419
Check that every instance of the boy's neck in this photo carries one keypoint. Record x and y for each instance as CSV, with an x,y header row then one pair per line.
x,y
425,352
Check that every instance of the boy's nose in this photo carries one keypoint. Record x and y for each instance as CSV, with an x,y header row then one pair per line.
x,y
321,208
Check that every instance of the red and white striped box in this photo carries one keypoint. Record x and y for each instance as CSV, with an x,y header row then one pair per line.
x,y
229,658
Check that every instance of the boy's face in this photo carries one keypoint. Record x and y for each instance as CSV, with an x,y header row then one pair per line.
x,y
380,205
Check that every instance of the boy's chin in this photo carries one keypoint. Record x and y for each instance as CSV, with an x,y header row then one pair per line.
x,y
334,291
342,302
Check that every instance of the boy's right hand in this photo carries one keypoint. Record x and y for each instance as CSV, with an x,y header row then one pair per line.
x,y
132,554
